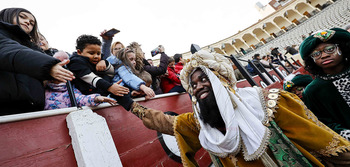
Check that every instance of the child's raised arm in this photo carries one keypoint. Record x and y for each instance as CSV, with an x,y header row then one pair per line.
x,y
101,99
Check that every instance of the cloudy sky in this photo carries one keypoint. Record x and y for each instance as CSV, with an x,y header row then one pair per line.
x,y
173,24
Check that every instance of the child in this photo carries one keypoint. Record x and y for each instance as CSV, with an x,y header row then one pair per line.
x,y
170,82
57,96
88,79
123,68
44,45
125,63
296,83
147,78
326,55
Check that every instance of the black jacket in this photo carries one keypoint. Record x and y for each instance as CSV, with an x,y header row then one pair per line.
x,y
81,66
156,72
275,52
23,67
291,50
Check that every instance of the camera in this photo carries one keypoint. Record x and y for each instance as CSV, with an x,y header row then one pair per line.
x,y
156,51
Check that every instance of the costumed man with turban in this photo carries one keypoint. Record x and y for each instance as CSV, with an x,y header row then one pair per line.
x,y
244,126
326,54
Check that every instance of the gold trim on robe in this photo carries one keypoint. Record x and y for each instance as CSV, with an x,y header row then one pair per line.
x,y
315,140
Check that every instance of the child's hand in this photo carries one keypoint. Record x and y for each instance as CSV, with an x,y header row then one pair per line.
x,y
147,97
118,90
101,66
135,93
147,90
61,74
100,99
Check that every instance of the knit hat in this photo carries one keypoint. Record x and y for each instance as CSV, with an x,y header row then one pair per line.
x,y
322,36
296,80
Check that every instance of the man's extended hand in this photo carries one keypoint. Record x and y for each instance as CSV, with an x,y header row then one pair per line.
x,y
58,72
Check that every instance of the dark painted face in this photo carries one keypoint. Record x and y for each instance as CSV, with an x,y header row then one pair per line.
x,y
200,84
202,90
328,57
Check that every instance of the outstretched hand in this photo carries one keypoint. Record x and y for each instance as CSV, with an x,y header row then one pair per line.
x,y
58,72
135,93
100,99
148,91
118,90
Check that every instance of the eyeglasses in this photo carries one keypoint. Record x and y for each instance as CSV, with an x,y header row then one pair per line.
x,y
328,49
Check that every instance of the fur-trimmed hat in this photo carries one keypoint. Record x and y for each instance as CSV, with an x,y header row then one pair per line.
x,y
323,36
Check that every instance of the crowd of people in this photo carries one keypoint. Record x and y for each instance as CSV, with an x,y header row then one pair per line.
x,y
98,70
272,60
308,124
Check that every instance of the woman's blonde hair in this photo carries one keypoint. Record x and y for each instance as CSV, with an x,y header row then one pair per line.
x,y
115,44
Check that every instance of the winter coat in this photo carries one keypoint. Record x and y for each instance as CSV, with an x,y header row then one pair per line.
x,y
178,67
123,72
81,67
169,81
156,72
57,96
23,67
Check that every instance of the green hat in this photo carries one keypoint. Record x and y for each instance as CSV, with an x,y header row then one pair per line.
x,y
298,80
323,36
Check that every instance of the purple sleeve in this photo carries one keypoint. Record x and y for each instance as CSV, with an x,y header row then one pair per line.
x,y
85,100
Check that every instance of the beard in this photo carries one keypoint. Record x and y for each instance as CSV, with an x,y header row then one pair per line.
x,y
209,111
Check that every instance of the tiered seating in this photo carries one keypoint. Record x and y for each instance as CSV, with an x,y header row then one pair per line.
x,y
335,15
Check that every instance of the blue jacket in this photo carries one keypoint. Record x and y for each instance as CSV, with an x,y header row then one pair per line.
x,y
129,79
123,72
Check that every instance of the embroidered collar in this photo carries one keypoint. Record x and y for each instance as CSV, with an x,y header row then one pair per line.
x,y
329,77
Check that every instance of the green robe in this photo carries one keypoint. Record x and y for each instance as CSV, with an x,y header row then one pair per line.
x,y
324,98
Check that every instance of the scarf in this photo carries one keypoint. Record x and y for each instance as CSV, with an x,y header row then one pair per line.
x,y
243,123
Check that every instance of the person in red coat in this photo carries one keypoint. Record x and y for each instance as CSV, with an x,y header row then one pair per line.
x,y
170,81
179,63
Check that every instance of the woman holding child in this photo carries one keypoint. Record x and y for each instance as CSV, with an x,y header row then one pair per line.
x,y
23,66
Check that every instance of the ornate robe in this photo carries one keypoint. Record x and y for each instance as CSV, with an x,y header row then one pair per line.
x,y
289,122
